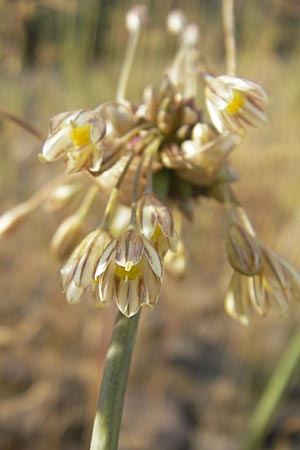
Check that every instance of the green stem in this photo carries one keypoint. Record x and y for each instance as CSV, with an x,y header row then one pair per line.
x,y
273,395
112,392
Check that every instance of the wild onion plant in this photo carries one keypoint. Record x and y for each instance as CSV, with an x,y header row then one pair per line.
x,y
156,158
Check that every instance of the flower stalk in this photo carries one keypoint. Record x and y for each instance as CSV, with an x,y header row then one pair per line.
x,y
108,416
229,36
22,123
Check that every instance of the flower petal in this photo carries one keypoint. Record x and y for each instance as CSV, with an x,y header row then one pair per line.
x,y
104,258
153,259
129,248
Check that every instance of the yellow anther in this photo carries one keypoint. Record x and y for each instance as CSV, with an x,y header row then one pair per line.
x,y
128,266
157,232
266,285
81,135
127,273
236,104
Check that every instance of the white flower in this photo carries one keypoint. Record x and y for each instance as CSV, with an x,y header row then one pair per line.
x,y
272,288
77,136
130,272
78,273
156,223
234,103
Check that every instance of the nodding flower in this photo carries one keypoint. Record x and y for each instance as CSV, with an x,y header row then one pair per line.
x,y
76,136
129,271
235,103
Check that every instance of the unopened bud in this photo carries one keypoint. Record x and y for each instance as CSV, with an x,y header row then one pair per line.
x,y
136,18
11,219
202,133
176,263
243,252
191,35
237,299
165,121
66,236
59,197
176,21
189,115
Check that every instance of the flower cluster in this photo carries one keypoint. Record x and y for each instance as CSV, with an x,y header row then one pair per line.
x,y
152,160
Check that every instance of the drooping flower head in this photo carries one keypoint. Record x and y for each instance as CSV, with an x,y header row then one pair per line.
x,y
151,159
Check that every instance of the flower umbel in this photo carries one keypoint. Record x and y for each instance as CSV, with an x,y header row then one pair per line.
x,y
152,159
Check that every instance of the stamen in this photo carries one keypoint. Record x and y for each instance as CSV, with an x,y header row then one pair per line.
x,y
81,135
236,104
126,273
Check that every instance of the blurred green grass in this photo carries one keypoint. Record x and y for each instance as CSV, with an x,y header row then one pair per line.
x,y
199,373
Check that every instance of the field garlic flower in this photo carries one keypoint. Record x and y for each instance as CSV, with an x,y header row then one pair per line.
x,y
76,136
129,271
78,272
156,223
152,159
235,103
272,287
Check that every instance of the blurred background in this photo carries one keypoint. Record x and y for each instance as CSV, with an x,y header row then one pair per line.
x,y
197,375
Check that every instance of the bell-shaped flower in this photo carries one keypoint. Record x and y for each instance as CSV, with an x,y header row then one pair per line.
x,y
79,270
234,103
130,272
243,250
276,283
156,223
76,136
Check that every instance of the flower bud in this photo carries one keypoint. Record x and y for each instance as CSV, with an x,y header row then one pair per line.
x,y
243,252
237,299
156,223
136,18
190,35
60,196
12,218
176,263
176,21
66,236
